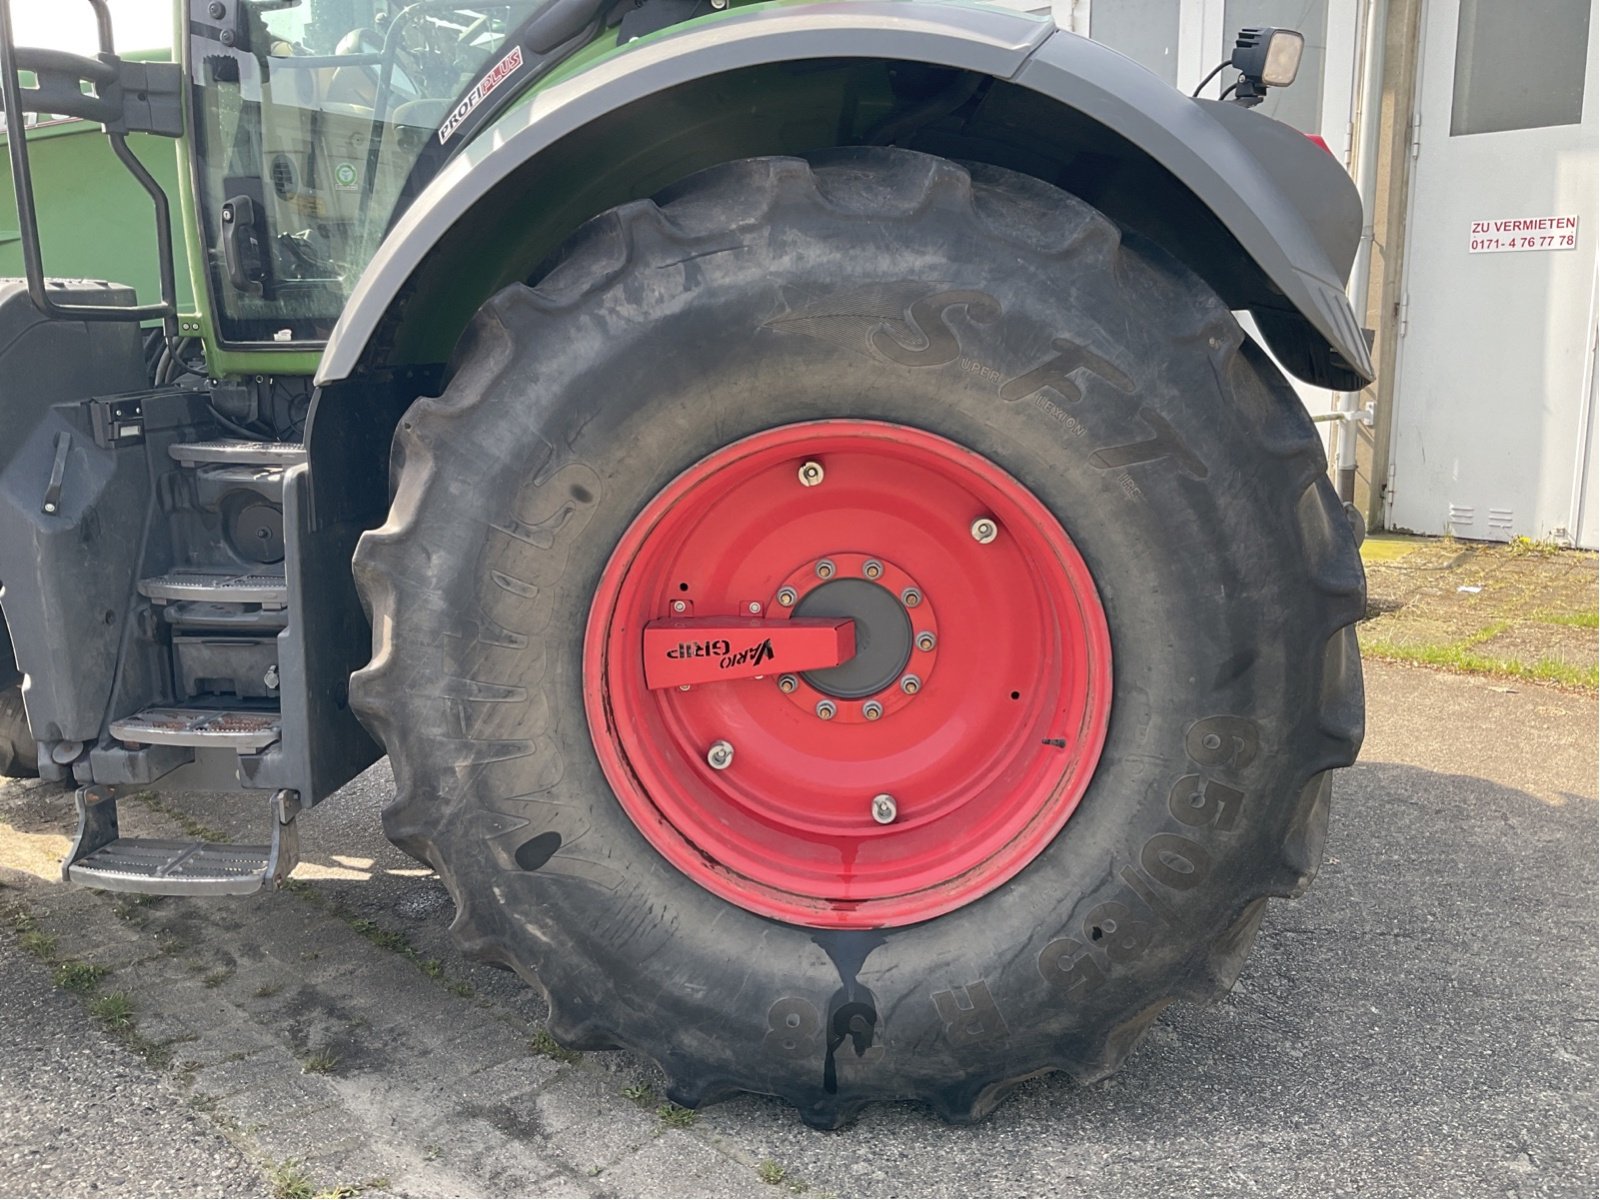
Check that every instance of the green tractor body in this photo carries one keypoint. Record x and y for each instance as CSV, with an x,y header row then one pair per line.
x,y
463,329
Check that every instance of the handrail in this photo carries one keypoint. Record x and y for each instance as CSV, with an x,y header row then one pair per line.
x,y
102,70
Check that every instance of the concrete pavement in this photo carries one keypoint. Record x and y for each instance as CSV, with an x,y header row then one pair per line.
x,y
1422,1023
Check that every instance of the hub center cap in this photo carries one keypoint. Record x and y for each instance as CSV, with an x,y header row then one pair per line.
x,y
883,637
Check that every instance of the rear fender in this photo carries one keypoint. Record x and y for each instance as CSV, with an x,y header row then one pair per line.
x,y
1265,216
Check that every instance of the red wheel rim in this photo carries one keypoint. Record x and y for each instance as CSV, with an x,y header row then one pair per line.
x,y
984,759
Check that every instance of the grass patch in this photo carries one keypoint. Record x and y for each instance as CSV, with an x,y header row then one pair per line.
x,y
770,1173
1572,620
203,1102
463,989
675,1116
80,978
39,944
289,1180
320,1063
1459,656
432,968
217,978
1519,547
641,1094
267,990
114,1010
384,939
546,1046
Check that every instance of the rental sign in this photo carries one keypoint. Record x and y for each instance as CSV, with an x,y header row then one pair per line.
x,y
1523,233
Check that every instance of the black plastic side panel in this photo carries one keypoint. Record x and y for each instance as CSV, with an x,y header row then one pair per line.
x,y
328,637
69,574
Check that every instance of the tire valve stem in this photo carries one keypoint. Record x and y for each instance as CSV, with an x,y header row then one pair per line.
x,y
984,531
884,809
720,756
811,473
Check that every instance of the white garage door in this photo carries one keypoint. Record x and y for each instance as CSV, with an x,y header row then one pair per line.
x,y
1493,424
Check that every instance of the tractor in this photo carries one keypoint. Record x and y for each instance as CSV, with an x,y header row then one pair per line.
x,y
850,611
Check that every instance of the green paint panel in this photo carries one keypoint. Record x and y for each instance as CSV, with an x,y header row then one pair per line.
x,y
95,221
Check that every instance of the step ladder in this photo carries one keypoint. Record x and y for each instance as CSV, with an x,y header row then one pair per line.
x,y
221,622
101,858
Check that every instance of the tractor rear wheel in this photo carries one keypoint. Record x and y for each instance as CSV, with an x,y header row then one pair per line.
x,y
1100,592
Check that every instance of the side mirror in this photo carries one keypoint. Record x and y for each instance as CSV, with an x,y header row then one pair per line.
x,y
1265,58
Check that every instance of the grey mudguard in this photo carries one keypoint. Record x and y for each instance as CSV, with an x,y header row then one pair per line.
x,y
1216,154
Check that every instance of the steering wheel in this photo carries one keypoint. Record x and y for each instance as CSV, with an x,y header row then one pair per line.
x,y
405,71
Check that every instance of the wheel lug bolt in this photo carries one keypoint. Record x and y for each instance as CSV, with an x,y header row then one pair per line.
x,y
911,597
810,473
720,756
910,685
872,710
825,569
786,596
926,641
787,684
984,530
825,710
884,809
680,606
872,568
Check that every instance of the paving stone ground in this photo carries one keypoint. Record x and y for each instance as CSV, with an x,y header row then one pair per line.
x,y
1422,1023
1517,610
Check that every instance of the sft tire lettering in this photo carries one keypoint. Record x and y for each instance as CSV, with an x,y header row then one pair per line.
x,y
926,317
1057,373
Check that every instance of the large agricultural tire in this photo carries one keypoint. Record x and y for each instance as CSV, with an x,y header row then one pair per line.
x,y
982,346
19,753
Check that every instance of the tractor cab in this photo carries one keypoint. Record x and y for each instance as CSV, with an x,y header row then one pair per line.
x,y
312,118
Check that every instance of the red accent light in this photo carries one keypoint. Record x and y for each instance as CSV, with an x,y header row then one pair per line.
x,y
1319,140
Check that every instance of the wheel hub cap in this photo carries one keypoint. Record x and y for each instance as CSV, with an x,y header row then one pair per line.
x,y
883,637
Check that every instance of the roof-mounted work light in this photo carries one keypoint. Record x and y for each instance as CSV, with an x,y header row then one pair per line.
x,y
1265,58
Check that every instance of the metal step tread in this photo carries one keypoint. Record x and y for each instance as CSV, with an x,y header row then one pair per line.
x,y
217,587
146,864
281,454
246,731
102,858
